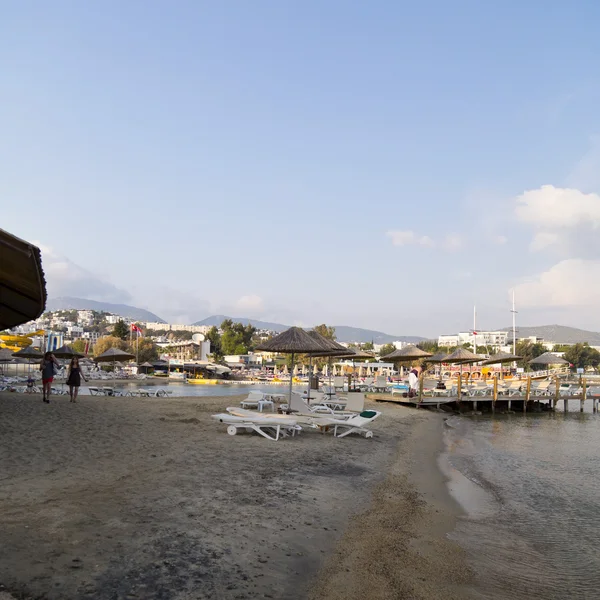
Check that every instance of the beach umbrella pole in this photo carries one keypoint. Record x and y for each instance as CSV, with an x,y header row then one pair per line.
x,y
291,382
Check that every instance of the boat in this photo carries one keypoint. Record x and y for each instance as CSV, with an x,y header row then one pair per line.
x,y
203,381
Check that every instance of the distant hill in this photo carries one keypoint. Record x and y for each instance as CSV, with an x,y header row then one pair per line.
x,y
124,310
342,332
559,334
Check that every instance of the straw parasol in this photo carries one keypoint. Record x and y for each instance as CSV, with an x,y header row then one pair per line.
x,y
114,355
406,354
501,357
548,359
292,341
462,356
22,284
330,348
67,352
30,353
5,355
438,358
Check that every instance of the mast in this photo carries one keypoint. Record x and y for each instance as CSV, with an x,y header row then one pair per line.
x,y
514,316
474,329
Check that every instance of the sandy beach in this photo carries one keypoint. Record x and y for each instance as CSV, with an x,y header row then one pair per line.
x,y
116,498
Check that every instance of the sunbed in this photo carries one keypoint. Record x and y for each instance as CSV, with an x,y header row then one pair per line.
x,y
271,426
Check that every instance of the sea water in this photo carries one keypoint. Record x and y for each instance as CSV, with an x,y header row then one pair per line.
x,y
530,486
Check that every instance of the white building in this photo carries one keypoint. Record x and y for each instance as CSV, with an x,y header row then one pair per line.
x,y
85,317
493,339
151,326
75,332
90,335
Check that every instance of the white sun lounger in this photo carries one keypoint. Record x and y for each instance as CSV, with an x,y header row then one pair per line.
x,y
271,426
355,424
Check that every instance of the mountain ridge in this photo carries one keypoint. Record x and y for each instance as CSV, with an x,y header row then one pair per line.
x,y
123,310
344,333
560,334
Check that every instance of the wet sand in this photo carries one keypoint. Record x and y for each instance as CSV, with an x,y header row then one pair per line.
x,y
150,498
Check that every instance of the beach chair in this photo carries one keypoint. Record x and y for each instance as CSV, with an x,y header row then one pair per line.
x,y
355,424
513,389
271,426
95,391
542,388
338,383
380,384
162,393
253,399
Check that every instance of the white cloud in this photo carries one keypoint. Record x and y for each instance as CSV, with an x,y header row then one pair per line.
x,y
569,283
408,238
542,240
499,239
586,173
65,278
554,208
250,303
453,241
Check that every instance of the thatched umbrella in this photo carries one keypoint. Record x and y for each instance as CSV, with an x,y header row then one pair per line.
x,y
22,284
114,355
30,353
501,358
292,341
548,359
462,356
406,354
438,358
330,348
5,355
67,352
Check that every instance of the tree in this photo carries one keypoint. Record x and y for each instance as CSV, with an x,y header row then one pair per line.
x,y
428,346
561,347
105,343
145,349
79,346
529,351
236,338
120,330
367,346
214,337
325,331
386,349
582,356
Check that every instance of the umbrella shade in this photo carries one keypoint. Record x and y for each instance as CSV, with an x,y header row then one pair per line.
x,y
66,352
406,354
462,355
113,355
30,352
330,346
146,365
548,359
6,355
501,357
22,284
292,341
440,357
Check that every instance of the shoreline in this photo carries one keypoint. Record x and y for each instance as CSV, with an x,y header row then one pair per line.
x,y
151,498
399,547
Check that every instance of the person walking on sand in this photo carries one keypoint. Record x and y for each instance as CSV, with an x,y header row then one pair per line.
x,y
47,366
74,378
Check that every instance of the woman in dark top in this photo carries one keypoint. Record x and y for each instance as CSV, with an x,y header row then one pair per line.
x,y
74,378
47,366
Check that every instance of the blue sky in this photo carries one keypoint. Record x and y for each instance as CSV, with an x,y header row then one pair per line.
x,y
382,164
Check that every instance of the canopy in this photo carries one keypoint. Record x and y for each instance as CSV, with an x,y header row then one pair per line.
x,y
501,357
548,359
113,355
22,284
6,355
292,341
440,357
66,352
29,352
406,354
462,355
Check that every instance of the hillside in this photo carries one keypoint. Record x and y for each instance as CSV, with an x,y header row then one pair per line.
x,y
69,303
559,334
343,332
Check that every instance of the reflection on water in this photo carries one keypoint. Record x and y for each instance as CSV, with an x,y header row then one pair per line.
x,y
542,474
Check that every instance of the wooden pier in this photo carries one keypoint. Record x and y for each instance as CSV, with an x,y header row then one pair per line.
x,y
524,400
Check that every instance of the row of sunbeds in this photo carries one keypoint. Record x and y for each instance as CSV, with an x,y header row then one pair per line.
x,y
335,416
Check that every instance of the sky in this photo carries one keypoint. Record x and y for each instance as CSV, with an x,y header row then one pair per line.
x,y
382,164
